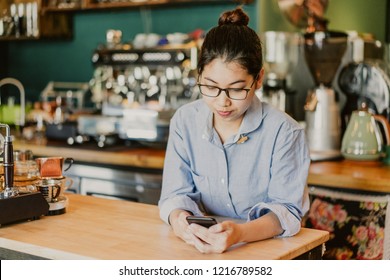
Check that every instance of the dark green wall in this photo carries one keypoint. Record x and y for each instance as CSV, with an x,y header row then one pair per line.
x,y
360,15
364,16
35,63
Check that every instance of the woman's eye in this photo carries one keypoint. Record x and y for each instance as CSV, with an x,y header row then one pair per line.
x,y
236,90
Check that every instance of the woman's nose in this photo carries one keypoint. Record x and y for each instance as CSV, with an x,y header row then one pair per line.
x,y
223,100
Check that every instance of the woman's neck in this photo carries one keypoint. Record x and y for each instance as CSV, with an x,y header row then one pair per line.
x,y
226,130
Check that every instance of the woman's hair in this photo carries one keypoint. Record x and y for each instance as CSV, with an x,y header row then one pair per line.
x,y
232,41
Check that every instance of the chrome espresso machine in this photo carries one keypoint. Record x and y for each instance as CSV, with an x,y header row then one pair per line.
x,y
138,90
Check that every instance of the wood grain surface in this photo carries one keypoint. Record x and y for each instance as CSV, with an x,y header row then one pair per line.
x,y
100,228
364,176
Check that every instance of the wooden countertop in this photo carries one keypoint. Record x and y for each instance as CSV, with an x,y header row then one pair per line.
x,y
142,157
97,228
364,176
339,174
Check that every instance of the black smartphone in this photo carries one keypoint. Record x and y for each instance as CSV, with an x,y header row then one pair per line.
x,y
200,220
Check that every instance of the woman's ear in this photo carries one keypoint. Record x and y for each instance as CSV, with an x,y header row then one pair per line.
x,y
260,77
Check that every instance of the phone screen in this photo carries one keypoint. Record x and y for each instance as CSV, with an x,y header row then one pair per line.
x,y
203,221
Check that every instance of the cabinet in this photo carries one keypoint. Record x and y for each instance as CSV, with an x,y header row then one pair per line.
x,y
26,20
358,222
351,200
116,182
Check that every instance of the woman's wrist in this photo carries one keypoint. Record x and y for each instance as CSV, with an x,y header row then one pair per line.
x,y
175,215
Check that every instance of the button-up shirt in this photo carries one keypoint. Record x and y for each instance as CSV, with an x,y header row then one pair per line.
x,y
262,168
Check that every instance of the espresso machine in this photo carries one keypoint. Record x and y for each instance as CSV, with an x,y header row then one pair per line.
x,y
138,89
280,55
324,51
16,206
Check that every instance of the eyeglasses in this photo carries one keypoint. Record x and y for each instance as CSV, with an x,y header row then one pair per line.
x,y
232,93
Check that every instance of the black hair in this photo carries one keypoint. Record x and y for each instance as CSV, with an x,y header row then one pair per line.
x,y
233,41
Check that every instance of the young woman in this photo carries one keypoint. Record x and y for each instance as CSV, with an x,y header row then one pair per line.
x,y
231,155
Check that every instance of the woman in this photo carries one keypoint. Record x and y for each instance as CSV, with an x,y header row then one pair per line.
x,y
231,155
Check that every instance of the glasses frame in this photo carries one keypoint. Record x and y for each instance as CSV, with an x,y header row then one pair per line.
x,y
226,90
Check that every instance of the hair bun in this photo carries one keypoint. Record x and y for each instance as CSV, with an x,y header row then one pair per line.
x,y
237,16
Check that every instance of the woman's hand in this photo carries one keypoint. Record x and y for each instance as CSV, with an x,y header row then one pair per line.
x,y
216,239
180,226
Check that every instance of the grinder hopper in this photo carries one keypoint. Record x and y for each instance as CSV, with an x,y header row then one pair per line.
x,y
323,53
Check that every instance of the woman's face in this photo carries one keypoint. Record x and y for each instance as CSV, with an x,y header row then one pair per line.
x,y
228,75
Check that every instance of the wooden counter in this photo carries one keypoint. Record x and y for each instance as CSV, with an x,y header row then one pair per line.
x,y
362,176
340,174
142,157
97,228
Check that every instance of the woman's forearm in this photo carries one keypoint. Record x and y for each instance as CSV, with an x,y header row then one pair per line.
x,y
265,227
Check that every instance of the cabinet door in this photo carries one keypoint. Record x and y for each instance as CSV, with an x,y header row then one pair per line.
x,y
358,223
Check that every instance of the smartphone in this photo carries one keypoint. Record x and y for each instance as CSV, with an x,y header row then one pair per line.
x,y
200,220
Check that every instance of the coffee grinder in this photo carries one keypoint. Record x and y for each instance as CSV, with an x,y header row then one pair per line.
x,y
280,54
323,53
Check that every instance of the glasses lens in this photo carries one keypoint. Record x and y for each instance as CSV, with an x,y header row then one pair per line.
x,y
232,93
209,90
236,93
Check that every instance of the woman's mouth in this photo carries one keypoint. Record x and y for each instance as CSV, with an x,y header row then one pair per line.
x,y
224,113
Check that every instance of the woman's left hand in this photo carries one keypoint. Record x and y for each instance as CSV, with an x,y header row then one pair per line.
x,y
216,239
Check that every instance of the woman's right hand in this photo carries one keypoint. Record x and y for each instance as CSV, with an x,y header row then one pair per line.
x,y
180,226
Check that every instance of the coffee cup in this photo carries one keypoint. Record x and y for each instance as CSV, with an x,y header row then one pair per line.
x,y
51,167
50,189
65,183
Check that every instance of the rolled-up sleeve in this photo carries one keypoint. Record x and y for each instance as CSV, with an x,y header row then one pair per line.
x,y
287,192
178,191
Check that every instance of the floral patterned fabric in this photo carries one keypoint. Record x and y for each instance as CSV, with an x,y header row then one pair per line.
x,y
356,223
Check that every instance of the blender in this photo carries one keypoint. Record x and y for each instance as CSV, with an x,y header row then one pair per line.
x,y
323,53
280,54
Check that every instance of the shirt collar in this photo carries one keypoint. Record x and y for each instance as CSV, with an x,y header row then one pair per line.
x,y
252,119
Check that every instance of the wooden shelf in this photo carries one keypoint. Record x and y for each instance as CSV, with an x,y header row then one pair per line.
x,y
42,25
55,21
96,5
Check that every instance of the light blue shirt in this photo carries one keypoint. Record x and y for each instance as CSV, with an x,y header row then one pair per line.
x,y
267,172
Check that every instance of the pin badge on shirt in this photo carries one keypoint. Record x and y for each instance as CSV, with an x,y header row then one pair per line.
x,y
243,139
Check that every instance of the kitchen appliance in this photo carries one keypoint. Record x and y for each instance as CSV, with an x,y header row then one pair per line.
x,y
15,207
280,55
363,140
103,129
69,100
323,52
365,80
139,89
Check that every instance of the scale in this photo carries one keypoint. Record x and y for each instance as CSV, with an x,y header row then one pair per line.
x,y
15,207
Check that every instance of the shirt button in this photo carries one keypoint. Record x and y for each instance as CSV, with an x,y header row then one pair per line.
x,y
228,205
223,181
